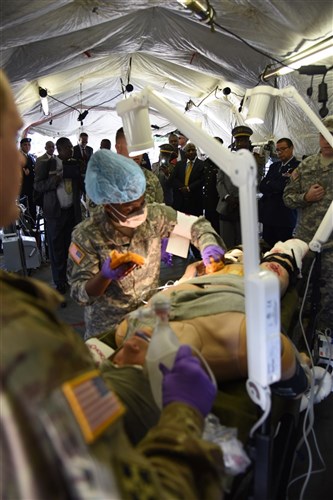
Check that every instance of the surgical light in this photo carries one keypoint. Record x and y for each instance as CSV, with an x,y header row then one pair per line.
x,y
44,100
201,9
259,99
137,130
317,52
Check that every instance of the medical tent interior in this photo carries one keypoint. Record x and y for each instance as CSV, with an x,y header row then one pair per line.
x,y
202,57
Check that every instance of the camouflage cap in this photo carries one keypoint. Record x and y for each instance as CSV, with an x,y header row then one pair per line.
x,y
328,122
241,130
113,178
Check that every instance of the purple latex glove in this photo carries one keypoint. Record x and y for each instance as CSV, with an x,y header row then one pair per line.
x,y
114,274
214,251
187,382
166,257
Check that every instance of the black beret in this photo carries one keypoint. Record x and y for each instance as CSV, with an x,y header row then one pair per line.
x,y
25,139
241,131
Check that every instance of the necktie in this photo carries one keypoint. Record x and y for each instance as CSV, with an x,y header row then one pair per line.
x,y
84,155
188,171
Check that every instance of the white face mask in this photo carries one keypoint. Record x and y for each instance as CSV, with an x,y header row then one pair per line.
x,y
134,220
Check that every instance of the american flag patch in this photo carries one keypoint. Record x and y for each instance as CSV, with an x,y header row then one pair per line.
x,y
94,405
76,253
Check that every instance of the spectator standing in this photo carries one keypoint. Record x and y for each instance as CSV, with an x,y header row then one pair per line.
x,y
228,204
210,194
105,144
28,177
60,179
310,191
278,220
82,151
187,182
174,142
163,169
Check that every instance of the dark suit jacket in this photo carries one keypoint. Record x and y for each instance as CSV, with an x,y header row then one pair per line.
x,y
189,202
78,155
272,210
28,180
47,181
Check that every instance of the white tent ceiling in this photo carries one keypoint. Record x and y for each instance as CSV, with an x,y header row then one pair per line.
x,y
80,50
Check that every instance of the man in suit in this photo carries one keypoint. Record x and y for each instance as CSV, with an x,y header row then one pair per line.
x,y
278,220
82,151
28,176
174,142
187,182
60,179
49,153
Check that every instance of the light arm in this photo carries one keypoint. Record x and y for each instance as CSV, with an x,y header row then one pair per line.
x,y
260,97
324,231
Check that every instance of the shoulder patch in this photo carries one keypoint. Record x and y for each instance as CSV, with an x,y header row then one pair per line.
x,y
76,253
94,405
294,175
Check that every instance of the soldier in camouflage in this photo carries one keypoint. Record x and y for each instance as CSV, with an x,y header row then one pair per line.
x,y
311,191
107,301
61,423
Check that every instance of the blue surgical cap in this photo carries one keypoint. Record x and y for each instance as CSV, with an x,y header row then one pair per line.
x,y
113,178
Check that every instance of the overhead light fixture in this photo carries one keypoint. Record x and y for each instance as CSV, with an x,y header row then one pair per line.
x,y
82,116
317,52
259,98
44,101
202,9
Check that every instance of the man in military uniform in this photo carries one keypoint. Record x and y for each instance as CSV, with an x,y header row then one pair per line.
x,y
61,422
278,220
311,191
228,204
163,169
125,224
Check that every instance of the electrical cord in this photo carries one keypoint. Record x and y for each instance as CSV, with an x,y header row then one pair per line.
x,y
309,413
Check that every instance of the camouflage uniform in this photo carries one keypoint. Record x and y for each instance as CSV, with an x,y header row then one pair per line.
x,y
96,237
47,452
154,191
312,170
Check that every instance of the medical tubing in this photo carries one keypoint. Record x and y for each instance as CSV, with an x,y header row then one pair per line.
x,y
163,348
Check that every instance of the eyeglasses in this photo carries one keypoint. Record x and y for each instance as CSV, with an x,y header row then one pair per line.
x,y
280,150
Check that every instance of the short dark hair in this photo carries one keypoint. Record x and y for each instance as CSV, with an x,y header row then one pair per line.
x,y
83,134
120,134
107,143
286,140
62,142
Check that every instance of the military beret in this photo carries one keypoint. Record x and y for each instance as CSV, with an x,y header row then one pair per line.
x,y
328,122
167,148
241,131
25,139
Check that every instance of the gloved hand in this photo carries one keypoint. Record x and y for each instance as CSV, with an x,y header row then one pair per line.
x,y
187,382
114,274
214,251
166,257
